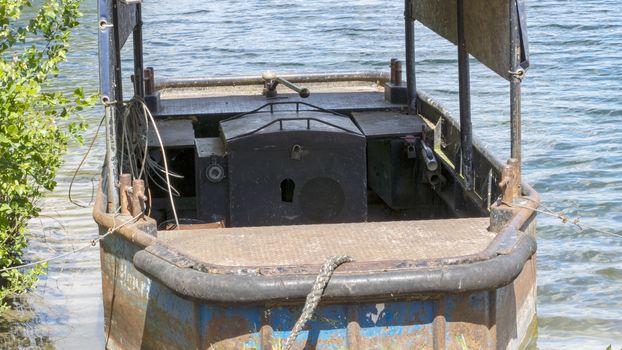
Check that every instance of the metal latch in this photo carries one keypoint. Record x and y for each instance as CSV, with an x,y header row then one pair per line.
x,y
410,146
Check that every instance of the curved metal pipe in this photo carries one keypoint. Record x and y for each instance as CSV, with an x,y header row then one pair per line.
x,y
495,272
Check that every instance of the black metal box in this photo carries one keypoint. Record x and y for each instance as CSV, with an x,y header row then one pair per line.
x,y
297,171
212,197
393,171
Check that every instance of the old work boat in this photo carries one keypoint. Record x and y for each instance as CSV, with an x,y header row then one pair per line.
x,y
221,198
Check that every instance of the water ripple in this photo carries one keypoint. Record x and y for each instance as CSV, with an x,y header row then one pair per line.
x,y
572,112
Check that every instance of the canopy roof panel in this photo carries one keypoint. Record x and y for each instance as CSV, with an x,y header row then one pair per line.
x,y
487,28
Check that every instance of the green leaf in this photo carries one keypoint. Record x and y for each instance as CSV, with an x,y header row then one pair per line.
x,y
12,131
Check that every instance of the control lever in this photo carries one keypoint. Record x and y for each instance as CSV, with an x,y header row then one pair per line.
x,y
271,80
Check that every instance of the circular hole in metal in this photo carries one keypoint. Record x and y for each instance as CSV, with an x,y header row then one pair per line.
x,y
435,180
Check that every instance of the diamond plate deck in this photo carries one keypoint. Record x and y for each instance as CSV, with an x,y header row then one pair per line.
x,y
309,245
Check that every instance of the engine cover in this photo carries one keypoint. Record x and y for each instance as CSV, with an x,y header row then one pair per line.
x,y
295,168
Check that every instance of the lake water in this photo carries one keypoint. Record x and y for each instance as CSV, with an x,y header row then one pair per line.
x,y
572,132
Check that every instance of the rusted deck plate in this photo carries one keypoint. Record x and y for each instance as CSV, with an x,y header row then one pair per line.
x,y
309,245
230,105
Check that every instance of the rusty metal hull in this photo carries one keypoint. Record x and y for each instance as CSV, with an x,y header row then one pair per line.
x,y
143,313
485,300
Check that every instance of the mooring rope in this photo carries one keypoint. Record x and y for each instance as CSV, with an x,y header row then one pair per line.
x,y
92,243
313,298
564,218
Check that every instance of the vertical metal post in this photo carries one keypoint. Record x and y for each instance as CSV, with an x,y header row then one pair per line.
x,y
393,61
112,124
118,77
111,160
411,85
139,82
466,134
515,85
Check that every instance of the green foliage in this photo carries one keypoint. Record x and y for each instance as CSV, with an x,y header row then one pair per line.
x,y
33,42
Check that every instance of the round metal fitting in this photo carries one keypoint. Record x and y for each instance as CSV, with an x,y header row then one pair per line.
x,y
215,173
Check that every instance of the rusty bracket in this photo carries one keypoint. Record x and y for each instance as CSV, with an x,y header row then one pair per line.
x,y
510,180
125,184
149,77
132,193
396,72
138,198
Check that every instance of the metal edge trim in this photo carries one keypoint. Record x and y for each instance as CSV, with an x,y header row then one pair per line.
x,y
483,275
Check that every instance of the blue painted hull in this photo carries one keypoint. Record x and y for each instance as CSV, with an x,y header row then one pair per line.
x,y
142,313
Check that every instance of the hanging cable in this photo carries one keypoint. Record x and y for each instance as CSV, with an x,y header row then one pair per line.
x,y
75,173
138,101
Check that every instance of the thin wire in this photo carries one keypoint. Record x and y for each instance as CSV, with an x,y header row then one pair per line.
x,y
127,132
92,243
136,113
75,173
564,218
155,167
166,173
144,160
126,140
122,145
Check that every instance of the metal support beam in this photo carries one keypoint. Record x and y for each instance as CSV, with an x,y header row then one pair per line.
x,y
117,58
110,174
515,85
139,82
409,26
466,134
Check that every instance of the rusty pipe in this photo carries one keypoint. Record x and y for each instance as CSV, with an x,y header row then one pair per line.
x,y
197,82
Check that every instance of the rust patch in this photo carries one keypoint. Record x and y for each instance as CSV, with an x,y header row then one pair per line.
x,y
468,322
122,320
226,332
353,329
439,325
510,180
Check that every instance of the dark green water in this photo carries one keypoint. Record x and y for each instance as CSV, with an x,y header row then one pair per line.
x,y
572,111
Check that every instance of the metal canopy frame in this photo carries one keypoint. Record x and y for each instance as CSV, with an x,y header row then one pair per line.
x,y
495,33
117,20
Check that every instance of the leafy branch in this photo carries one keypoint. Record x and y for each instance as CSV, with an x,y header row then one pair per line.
x,y
34,41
